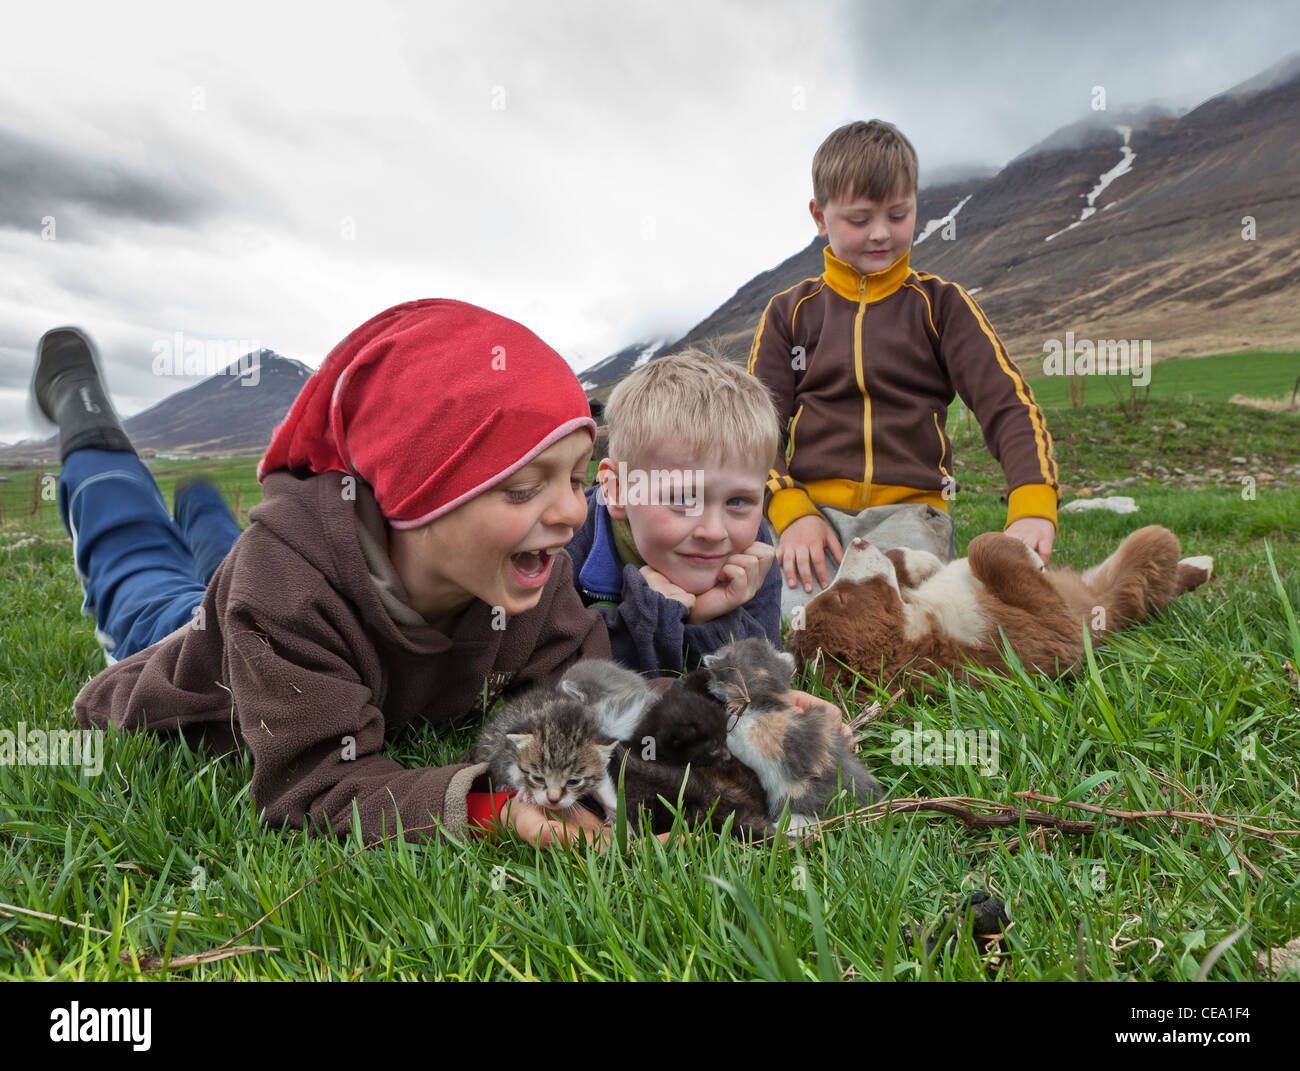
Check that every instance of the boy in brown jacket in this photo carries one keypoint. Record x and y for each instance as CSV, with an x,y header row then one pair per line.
x,y
863,362
404,565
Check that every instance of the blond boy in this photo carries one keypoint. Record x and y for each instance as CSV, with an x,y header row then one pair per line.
x,y
674,553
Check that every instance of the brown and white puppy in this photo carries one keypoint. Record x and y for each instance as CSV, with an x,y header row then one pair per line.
x,y
891,615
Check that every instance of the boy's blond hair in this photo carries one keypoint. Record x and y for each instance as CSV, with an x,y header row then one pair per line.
x,y
871,160
697,400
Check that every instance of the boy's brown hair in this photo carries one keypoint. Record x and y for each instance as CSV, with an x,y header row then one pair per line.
x,y
872,160
695,399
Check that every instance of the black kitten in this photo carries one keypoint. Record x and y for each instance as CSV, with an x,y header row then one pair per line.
x,y
687,726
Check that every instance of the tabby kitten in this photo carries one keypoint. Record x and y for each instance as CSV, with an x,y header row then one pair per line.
x,y
801,758
549,749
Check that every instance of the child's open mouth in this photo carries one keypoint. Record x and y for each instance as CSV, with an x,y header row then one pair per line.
x,y
532,568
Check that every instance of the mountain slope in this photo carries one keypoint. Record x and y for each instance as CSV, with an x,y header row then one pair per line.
x,y
1193,240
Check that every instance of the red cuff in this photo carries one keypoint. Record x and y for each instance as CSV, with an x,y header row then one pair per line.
x,y
484,810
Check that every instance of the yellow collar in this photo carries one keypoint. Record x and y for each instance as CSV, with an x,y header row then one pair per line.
x,y
850,283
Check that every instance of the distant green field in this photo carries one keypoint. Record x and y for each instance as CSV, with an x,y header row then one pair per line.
x,y
27,502
1215,378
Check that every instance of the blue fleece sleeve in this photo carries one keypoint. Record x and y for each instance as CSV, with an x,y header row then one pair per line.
x,y
645,628
648,631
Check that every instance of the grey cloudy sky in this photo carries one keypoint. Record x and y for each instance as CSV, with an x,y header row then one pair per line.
x,y
602,172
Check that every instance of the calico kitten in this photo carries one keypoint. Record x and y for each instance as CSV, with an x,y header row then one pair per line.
x,y
801,757
616,696
549,749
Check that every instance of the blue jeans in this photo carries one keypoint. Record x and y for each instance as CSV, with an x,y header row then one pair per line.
x,y
142,573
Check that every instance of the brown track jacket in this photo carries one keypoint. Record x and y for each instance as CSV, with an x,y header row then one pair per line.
x,y
306,644
862,369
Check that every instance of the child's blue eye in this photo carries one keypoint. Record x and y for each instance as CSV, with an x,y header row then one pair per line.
x,y
520,496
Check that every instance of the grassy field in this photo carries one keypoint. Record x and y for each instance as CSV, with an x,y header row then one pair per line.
x,y
1255,375
1198,711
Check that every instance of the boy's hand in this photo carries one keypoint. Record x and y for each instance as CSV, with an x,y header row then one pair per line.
x,y
546,828
1037,533
660,583
802,547
738,582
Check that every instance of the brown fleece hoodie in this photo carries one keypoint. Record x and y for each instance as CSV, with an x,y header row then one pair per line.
x,y
306,653
862,369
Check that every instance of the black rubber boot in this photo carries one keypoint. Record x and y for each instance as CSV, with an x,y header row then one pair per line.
x,y
68,389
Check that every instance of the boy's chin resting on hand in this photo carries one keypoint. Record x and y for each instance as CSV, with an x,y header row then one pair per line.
x,y
738,582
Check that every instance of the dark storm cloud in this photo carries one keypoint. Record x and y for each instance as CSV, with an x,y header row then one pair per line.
x,y
15,365
985,81
607,173
77,187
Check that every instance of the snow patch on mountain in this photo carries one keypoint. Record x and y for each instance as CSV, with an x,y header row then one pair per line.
x,y
649,351
934,224
1125,165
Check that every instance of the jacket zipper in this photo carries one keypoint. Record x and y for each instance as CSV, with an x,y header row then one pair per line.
x,y
943,449
943,446
862,386
789,446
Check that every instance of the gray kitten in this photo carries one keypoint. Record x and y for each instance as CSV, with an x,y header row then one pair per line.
x,y
617,697
800,758
548,748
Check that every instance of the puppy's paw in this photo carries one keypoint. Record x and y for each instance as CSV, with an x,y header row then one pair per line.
x,y
1034,559
1195,571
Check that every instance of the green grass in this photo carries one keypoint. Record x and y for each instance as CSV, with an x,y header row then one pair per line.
x,y
163,850
1213,378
